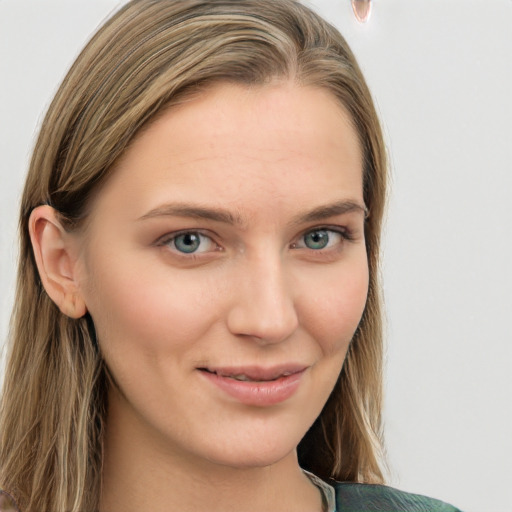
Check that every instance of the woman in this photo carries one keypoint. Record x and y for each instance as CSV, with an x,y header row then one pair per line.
x,y
197,323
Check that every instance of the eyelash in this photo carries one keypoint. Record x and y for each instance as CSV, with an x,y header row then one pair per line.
x,y
169,240
345,235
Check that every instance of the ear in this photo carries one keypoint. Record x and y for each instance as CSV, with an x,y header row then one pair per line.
x,y
55,255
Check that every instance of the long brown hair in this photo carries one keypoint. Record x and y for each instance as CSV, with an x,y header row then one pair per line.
x,y
143,60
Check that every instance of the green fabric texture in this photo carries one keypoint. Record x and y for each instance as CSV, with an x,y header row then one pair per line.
x,y
351,497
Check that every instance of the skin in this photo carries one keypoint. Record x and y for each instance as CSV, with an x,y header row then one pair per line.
x,y
253,294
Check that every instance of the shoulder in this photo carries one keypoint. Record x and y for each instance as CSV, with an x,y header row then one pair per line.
x,y
352,497
7,503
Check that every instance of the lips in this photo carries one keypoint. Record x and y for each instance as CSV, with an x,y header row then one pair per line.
x,y
256,386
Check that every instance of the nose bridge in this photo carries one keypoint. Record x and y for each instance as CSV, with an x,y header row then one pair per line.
x,y
263,305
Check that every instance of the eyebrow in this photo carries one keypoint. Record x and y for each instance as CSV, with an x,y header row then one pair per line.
x,y
194,211
331,210
221,215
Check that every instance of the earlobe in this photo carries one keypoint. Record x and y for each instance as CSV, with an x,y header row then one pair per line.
x,y
56,261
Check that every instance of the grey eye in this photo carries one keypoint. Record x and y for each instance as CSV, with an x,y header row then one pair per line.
x,y
318,239
187,242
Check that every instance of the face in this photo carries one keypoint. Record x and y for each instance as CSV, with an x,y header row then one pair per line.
x,y
225,269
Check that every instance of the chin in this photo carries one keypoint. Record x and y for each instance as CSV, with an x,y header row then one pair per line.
x,y
254,459
260,451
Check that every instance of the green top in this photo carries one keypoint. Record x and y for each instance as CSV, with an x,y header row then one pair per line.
x,y
352,497
342,497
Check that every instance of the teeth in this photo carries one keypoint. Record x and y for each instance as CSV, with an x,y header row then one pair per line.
x,y
244,378
241,377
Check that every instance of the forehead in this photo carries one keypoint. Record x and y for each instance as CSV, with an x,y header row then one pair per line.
x,y
237,145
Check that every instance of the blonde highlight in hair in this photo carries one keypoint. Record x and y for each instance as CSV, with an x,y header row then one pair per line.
x,y
149,56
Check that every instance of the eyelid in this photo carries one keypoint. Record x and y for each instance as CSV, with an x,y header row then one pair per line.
x,y
345,233
167,241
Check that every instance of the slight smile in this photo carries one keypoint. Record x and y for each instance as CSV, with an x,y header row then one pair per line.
x,y
257,386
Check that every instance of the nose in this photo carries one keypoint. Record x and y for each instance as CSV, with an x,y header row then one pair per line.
x,y
263,305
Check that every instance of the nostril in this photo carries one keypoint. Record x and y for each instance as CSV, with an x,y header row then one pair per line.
x,y
262,328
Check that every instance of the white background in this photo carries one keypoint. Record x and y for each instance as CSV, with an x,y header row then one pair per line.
x,y
441,74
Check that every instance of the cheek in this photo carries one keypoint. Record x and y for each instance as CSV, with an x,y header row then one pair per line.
x,y
146,310
335,307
